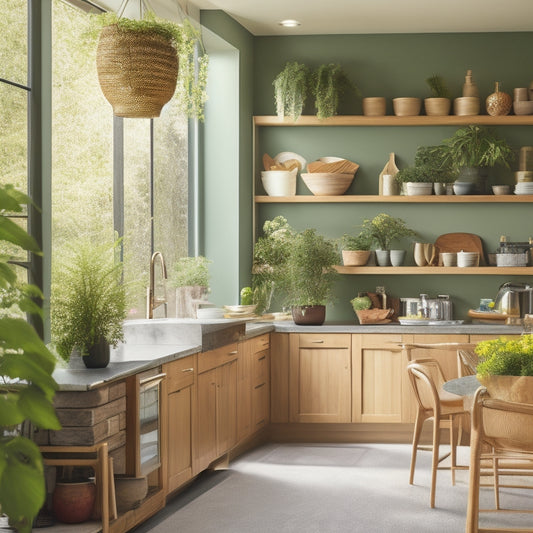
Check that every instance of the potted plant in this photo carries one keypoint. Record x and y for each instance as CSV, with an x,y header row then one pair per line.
x,y
505,368
415,181
385,230
290,90
190,277
440,102
473,148
356,248
309,276
271,252
137,63
328,84
26,385
434,159
89,304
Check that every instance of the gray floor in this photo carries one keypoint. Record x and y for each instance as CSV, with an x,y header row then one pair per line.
x,y
321,488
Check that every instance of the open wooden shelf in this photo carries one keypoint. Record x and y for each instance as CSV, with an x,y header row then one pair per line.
x,y
391,120
370,198
435,270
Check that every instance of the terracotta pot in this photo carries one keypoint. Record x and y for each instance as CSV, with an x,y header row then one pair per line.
x,y
509,388
73,502
355,257
309,315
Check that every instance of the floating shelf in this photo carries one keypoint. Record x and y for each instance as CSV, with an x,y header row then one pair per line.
x,y
350,198
392,120
435,270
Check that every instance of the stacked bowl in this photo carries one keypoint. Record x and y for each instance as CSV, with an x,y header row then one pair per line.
x,y
330,176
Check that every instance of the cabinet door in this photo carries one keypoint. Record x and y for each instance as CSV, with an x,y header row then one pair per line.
x,y
378,387
279,378
226,407
261,389
179,437
320,378
244,390
206,442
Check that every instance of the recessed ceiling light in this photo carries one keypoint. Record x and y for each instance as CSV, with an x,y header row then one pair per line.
x,y
289,23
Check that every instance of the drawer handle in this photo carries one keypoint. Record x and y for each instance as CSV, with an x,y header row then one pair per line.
x,y
261,358
234,352
259,386
188,370
317,342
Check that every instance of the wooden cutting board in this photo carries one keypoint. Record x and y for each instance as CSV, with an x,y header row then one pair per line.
x,y
455,242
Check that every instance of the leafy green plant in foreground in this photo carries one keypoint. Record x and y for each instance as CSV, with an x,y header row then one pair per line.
x,y
26,385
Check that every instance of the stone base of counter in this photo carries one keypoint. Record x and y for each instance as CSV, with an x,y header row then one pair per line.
x,y
89,418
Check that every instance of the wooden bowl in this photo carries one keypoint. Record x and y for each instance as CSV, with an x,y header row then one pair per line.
x,y
406,107
327,183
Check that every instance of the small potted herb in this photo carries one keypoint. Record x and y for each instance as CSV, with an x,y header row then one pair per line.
x,y
415,181
439,103
434,159
356,248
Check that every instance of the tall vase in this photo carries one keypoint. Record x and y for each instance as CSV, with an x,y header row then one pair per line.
x,y
420,257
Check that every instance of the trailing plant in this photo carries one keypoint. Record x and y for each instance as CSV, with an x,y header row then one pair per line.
x,y
386,229
438,87
185,38
90,301
328,84
505,357
362,241
27,388
476,146
420,174
310,274
190,271
290,90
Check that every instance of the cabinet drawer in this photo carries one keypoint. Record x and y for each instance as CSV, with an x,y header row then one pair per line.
x,y
258,344
180,373
260,367
218,357
329,340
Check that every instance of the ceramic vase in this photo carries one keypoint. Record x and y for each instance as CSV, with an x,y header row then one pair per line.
x,y
397,257
420,257
383,257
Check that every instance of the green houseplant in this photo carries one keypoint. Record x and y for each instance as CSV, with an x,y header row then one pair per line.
x,y
328,84
433,158
190,277
89,304
27,387
290,89
415,180
439,103
355,248
143,84
505,367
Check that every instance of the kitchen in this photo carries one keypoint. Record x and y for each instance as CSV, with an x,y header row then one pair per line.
x,y
376,70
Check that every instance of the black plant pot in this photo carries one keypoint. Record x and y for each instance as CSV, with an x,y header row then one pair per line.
x,y
309,315
98,356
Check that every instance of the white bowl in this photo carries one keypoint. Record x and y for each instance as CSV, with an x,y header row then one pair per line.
x,y
279,182
464,187
210,313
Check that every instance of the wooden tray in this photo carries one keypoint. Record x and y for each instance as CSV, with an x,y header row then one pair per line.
x,y
483,315
455,242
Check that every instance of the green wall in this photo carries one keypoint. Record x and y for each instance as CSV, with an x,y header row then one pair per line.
x,y
390,66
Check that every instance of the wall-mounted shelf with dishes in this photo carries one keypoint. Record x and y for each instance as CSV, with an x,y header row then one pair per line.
x,y
435,270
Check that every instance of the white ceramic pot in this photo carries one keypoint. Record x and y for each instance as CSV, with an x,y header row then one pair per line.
x,y
467,259
383,258
439,188
279,182
419,189
397,257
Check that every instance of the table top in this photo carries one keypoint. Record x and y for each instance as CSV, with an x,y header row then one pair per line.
x,y
465,386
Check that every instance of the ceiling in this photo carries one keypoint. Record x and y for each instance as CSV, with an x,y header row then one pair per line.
x,y
261,17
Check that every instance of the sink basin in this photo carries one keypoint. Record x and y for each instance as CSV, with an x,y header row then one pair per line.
x,y
209,334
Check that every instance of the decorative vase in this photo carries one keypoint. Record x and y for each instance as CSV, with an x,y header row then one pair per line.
x,y
137,71
73,502
355,257
98,356
420,256
383,258
309,315
509,388
397,257
499,103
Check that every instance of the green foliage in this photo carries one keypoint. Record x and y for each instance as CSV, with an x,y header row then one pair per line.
x,y
184,37
310,274
290,90
506,357
386,229
434,159
476,146
360,303
438,87
26,385
190,271
361,241
89,302
414,175
328,84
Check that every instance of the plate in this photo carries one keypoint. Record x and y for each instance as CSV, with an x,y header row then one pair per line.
x,y
414,321
445,322
286,156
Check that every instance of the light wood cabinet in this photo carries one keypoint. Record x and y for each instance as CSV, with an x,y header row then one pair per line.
x,y
181,390
319,378
260,387
216,427
279,378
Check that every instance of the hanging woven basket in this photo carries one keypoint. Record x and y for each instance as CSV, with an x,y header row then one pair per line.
x,y
137,71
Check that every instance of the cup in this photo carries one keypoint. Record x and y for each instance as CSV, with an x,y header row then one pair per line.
x,y
448,259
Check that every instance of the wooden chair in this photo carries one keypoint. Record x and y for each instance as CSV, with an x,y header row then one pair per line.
x,y
467,360
508,429
426,378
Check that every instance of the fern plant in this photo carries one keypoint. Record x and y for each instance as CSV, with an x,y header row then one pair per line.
x,y
290,90
438,87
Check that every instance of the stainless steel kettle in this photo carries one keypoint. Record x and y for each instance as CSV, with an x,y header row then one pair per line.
x,y
514,299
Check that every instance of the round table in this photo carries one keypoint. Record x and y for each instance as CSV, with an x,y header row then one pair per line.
x,y
465,386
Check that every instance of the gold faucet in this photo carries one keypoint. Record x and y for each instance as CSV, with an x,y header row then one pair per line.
x,y
151,301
